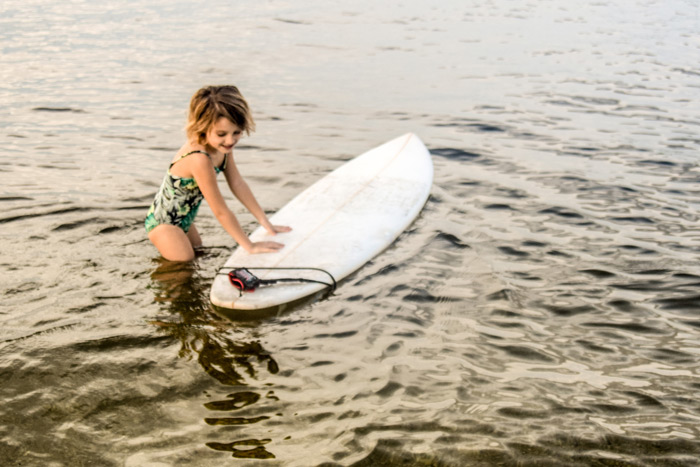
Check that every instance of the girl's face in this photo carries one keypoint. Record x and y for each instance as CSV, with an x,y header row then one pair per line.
x,y
223,135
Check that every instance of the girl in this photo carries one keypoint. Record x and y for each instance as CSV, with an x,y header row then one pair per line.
x,y
218,116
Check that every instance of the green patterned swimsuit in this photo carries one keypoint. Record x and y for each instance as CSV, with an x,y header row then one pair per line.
x,y
178,199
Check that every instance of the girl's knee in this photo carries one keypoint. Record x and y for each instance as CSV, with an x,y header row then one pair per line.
x,y
179,252
180,256
172,243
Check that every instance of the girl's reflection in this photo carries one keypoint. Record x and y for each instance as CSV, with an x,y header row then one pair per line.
x,y
223,355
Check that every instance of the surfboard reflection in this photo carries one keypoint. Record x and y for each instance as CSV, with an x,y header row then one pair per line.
x,y
218,348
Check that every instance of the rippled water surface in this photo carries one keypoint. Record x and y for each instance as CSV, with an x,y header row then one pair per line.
x,y
544,309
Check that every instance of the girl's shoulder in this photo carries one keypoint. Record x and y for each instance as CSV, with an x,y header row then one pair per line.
x,y
187,151
186,158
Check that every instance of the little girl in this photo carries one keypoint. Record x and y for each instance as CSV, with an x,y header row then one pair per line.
x,y
218,117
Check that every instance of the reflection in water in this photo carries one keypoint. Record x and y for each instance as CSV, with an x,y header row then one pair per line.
x,y
202,333
259,452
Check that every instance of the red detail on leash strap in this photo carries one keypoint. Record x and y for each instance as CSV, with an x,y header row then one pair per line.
x,y
239,284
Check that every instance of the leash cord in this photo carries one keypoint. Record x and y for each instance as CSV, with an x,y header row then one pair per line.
x,y
243,279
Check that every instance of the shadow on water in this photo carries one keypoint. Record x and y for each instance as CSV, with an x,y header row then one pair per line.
x,y
247,316
218,348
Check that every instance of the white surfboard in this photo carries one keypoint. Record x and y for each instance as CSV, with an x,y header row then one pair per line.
x,y
339,223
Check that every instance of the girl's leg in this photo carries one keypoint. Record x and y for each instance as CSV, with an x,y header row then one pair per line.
x,y
193,236
172,242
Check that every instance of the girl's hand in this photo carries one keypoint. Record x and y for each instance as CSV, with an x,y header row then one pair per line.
x,y
275,229
265,247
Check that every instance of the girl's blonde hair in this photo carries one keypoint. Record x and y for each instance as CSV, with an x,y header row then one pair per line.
x,y
211,103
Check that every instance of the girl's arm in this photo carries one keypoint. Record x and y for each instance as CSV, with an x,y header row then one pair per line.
x,y
242,191
204,175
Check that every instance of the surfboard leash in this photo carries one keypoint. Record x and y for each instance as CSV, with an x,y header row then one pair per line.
x,y
246,281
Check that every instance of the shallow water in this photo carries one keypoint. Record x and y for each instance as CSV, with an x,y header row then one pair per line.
x,y
544,309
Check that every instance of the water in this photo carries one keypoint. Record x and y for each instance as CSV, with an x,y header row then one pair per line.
x,y
542,310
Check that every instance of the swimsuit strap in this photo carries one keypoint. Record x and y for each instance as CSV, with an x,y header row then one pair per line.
x,y
185,155
223,164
